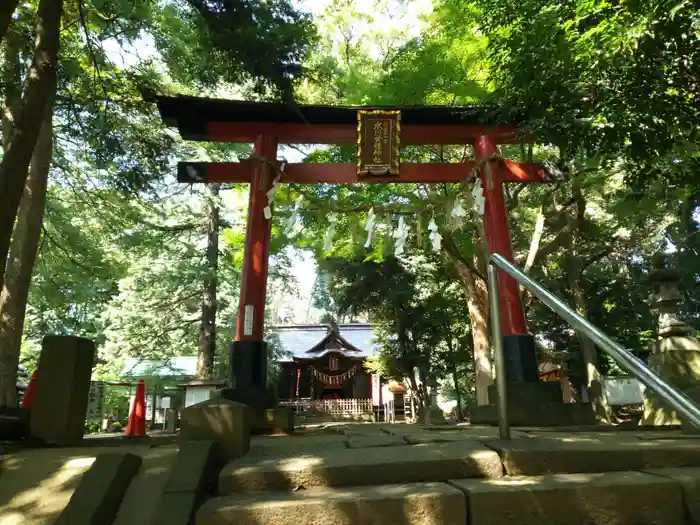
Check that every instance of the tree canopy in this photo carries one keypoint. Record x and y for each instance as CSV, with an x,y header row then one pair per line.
x,y
608,91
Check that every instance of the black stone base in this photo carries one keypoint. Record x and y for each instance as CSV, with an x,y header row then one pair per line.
x,y
538,404
543,415
529,394
247,367
255,398
247,376
520,356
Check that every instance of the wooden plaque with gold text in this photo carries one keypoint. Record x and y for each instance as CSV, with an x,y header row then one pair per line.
x,y
378,138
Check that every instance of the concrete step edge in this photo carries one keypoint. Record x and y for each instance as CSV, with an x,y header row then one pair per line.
x,y
371,466
401,504
605,497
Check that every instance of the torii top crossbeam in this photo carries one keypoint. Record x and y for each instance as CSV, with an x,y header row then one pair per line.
x,y
217,120
268,124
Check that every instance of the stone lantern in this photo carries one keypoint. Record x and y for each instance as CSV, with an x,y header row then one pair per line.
x,y
675,354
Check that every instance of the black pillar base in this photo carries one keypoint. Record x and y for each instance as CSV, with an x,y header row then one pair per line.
x,y
520,358
247,375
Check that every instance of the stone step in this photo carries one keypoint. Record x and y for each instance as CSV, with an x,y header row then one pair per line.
x,y
661,497
406,504
336,467
619,498
437,456
568,454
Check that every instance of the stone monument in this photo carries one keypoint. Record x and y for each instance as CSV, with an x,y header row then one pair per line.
x,y
675,355
62,388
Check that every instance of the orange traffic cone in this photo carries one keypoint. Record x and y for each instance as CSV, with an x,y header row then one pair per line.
x,y
137,417
28,399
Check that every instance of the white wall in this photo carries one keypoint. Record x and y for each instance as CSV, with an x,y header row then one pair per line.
x,y
624,391
198,394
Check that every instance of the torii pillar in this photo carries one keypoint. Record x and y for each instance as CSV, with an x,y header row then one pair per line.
x,y
247,378
518,345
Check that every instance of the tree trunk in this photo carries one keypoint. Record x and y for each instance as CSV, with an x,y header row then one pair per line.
x,y
12,82
458,393
207,328
574,270
453,372
417,393
477,305
18,274
7,8
596,394
40,90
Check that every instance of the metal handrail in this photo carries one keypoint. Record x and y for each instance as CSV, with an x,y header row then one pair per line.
x,y
629,361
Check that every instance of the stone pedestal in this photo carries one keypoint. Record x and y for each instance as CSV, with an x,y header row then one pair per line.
x,y
220,420
435,415
677,360
247,384
676,355
62,387
171,417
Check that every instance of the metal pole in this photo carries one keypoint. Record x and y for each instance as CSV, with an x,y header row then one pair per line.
x,y
629,361
497,341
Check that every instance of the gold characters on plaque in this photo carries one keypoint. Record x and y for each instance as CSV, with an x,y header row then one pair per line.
x,y
378,142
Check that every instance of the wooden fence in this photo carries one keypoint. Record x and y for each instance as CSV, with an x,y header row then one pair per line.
x,y
337,408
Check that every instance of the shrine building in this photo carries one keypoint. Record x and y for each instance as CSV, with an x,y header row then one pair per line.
x,y
324,361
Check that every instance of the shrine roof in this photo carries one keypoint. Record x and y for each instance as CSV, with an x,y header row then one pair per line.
x,y
192,114
306,341
178,366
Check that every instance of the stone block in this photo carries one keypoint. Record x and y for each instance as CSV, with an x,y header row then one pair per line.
x,y
542,414
363,430
175,508
408,504
284,446
534,457
171,420
657,412
101,489
528,394
195,468
463,434
678,363
435,416
346,467
14,423
689,480
620,498
219,420
62,387
374,441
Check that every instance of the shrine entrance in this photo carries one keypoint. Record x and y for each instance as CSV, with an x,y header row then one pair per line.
x,y
378,132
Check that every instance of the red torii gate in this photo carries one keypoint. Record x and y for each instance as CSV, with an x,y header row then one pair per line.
x,y
267,125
